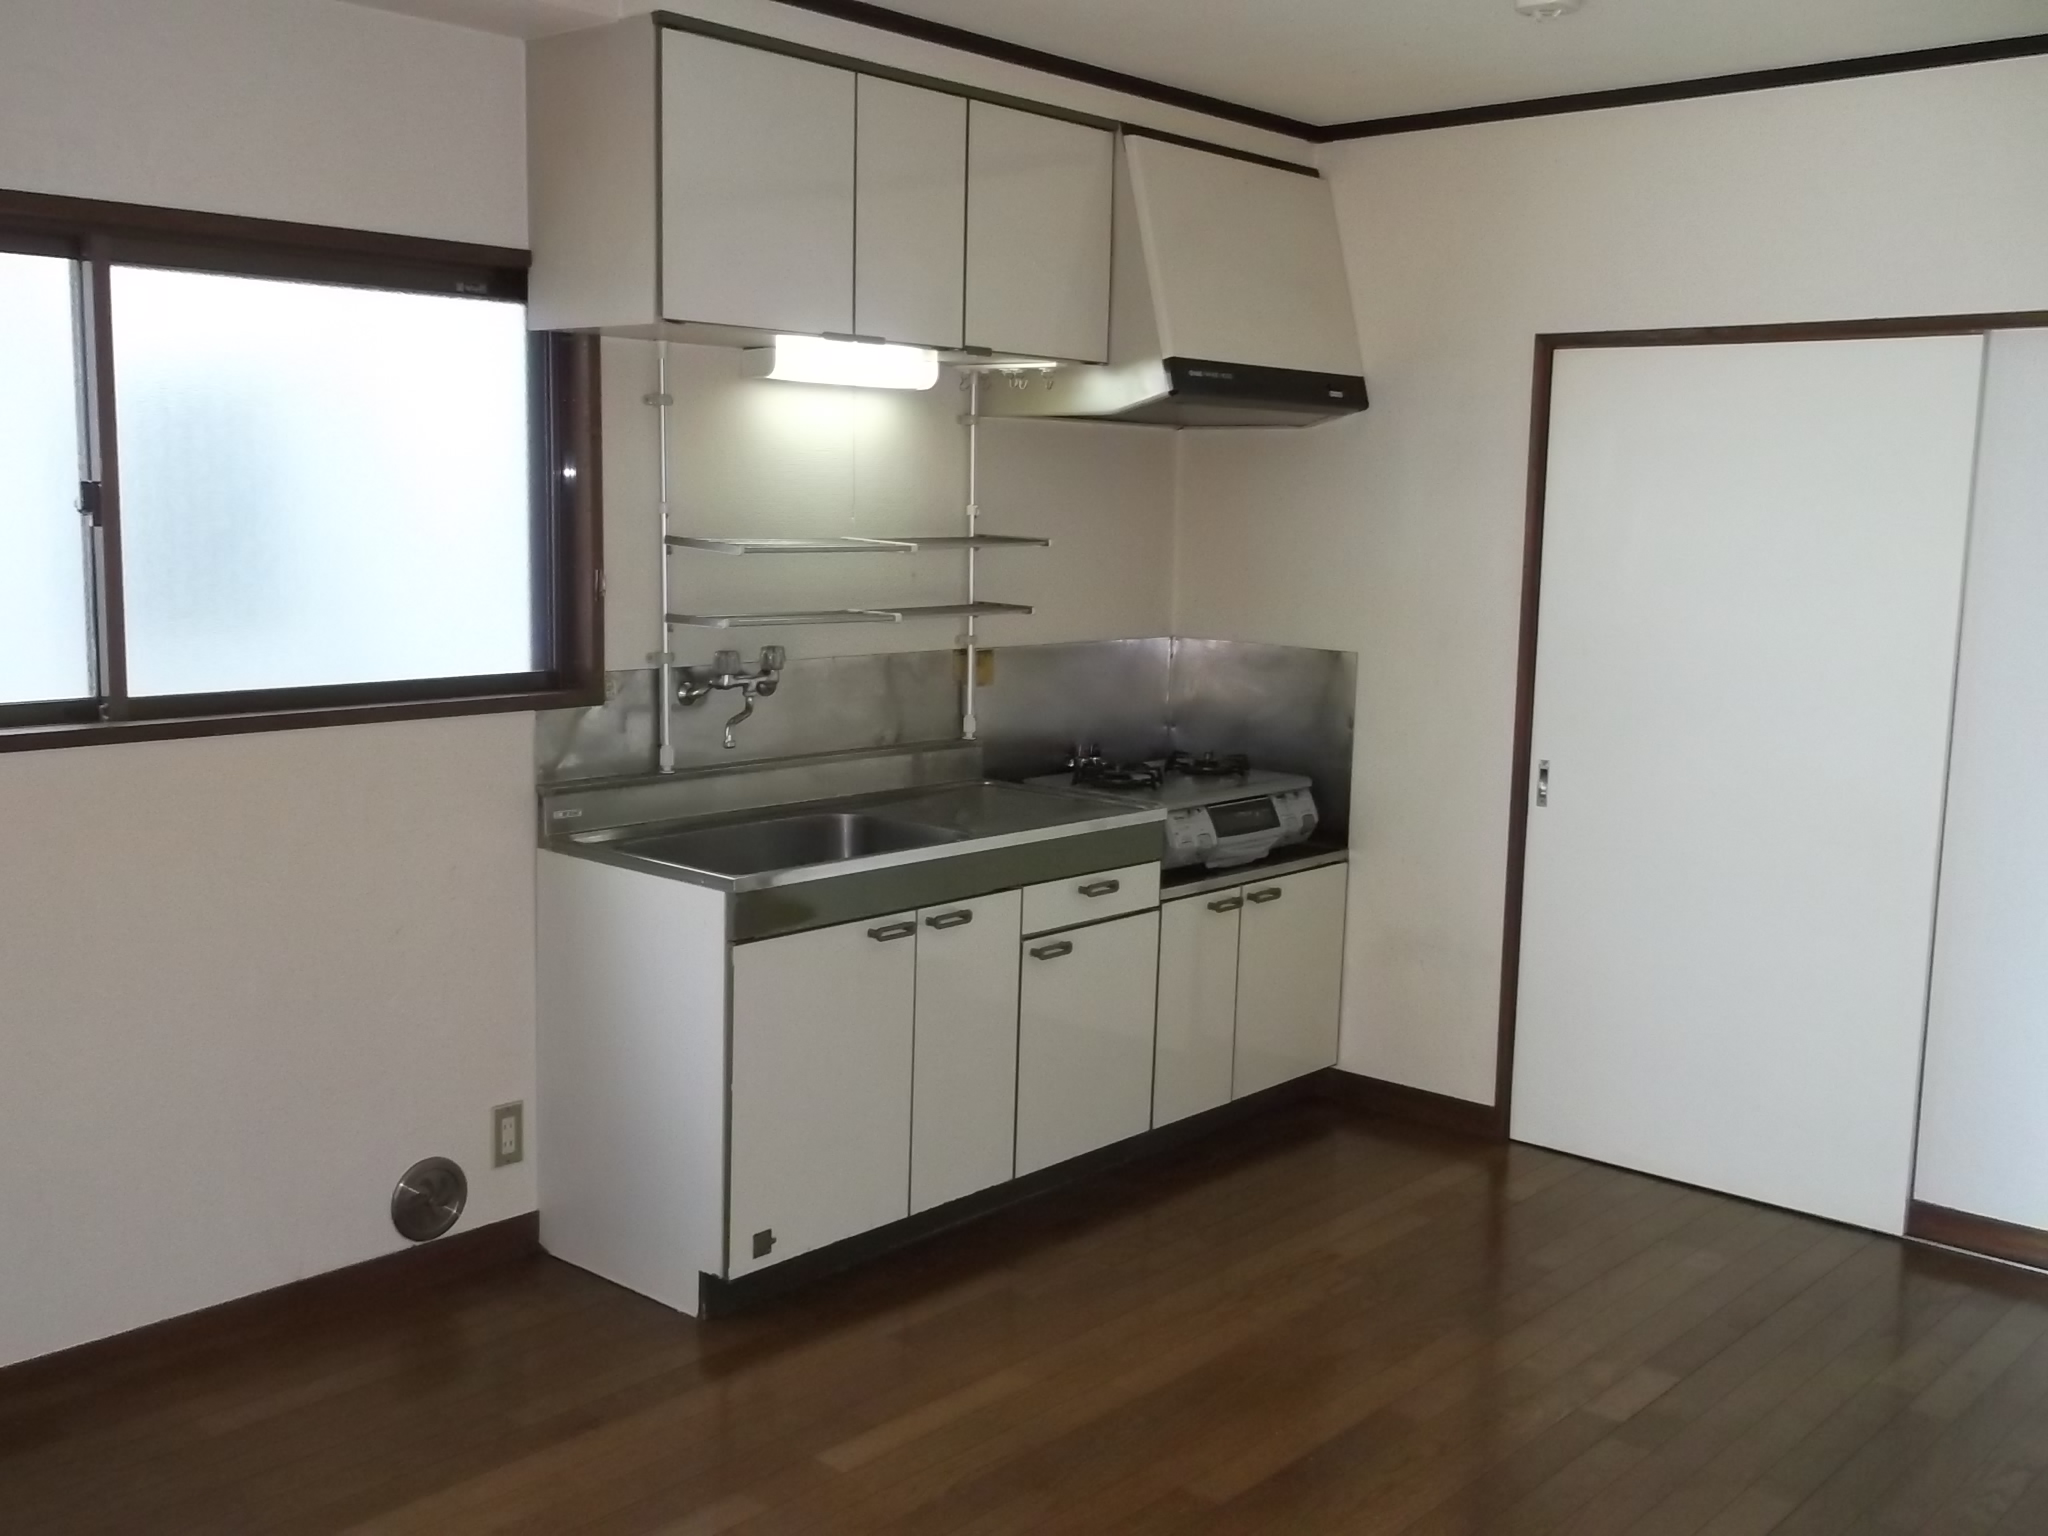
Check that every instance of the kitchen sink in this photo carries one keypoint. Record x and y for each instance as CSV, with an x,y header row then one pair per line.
x,y
786,842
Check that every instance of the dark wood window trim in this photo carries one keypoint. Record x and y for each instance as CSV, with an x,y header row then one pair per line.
x,y
1529,635
567,597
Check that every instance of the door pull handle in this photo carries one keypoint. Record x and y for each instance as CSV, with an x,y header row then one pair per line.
x,y
1052,951
1260,898
1102,888
949,920
1227,904
889,931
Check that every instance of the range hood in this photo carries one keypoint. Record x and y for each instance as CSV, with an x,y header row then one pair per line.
x,y
1229,305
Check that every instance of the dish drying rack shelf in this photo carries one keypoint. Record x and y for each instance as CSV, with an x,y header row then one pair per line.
x,y
850,545
846,615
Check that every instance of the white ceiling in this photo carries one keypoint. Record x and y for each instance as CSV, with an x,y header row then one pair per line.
x,y
1329,61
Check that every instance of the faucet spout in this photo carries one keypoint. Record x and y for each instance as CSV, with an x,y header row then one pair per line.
x,y
746,713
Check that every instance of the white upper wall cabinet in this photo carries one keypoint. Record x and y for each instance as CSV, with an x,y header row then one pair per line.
x,y
1244,260
1039,205
712,190
910,258
757,188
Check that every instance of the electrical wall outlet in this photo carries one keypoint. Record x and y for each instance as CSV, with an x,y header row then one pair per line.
x,y
508,1135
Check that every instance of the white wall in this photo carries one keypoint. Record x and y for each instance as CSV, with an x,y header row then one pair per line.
x,y
1399,535
1983,1132
245,981
280,109
249,980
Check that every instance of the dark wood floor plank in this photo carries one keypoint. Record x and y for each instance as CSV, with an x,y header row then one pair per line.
x,y
1310,1325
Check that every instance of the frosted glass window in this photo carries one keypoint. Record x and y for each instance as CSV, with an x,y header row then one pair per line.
x,y
318,484
44,652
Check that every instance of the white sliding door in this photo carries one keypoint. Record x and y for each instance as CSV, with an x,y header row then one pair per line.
x,y
1752,576
1984,1122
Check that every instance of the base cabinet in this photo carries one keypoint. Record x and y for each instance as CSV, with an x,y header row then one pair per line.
x,y
1198,940
821,1086
963,1135
1290,977
1088,1000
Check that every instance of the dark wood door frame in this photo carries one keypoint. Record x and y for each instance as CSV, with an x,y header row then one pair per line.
x,y
1547,348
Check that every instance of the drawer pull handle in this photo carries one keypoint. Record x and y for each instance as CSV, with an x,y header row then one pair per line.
x,y
1272,893
949,920
889,931
1052,951
1227,904
1102,888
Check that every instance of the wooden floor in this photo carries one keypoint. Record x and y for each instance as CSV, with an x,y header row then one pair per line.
x,y
1312,1325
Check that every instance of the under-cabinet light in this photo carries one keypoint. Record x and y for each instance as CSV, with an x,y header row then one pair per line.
x,y
868,364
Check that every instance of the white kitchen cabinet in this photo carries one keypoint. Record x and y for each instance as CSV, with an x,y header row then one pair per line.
x,y
1087,1005
910,192
1290,977
1198,939
963,1135
1090,898
1039,211
821,1083
757,187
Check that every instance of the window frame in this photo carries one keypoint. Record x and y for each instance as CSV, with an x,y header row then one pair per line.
x,y
567,600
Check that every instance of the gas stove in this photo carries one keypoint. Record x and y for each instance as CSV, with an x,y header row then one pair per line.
x,y
1221,811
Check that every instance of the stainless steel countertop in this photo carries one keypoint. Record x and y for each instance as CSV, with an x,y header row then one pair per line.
x,y
983,815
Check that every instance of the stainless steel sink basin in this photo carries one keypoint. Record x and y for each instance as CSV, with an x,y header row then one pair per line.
x,y
786,842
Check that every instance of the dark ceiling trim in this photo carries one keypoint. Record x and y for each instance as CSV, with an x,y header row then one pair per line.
x,y
1691,90
885,20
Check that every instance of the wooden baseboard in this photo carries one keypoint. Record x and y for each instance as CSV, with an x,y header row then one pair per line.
x,y
1395,1101
1977,1234
286,1309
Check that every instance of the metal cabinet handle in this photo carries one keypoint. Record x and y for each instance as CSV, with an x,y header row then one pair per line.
x,y
1102,888
888,931
1052,951
949,920
1271,893
1227,904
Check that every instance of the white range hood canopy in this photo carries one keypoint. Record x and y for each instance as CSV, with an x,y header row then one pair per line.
x,y
1230,305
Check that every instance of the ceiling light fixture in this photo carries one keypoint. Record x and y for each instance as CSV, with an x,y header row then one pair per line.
x,y
1547,10
864,364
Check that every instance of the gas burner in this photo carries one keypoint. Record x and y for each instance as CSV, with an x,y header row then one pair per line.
x,y
1210,765
1099,772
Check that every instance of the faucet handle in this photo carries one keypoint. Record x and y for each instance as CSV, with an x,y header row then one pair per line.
x,y
725,663
773,658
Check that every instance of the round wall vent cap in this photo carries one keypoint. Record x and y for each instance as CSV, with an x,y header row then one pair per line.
x,y
429,1199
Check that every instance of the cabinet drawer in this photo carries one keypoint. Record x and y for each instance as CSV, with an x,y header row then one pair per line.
x,y
1090,898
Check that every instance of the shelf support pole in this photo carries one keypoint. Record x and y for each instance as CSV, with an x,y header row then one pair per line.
x,y
665,678
969,727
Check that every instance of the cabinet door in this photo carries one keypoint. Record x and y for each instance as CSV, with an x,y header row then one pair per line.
x,y
963,1130
1039,198
756,188
1197,1005
1084,1039
1290,978
821,1040
910,262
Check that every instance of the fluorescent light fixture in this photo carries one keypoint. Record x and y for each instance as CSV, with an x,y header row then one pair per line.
x,y
867,364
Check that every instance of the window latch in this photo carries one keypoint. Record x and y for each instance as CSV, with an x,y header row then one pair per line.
x,y
89,501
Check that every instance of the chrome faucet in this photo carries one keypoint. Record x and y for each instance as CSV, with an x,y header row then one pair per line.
x,y
696,684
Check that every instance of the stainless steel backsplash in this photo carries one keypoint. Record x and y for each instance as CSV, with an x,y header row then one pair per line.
x,y
1287,706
